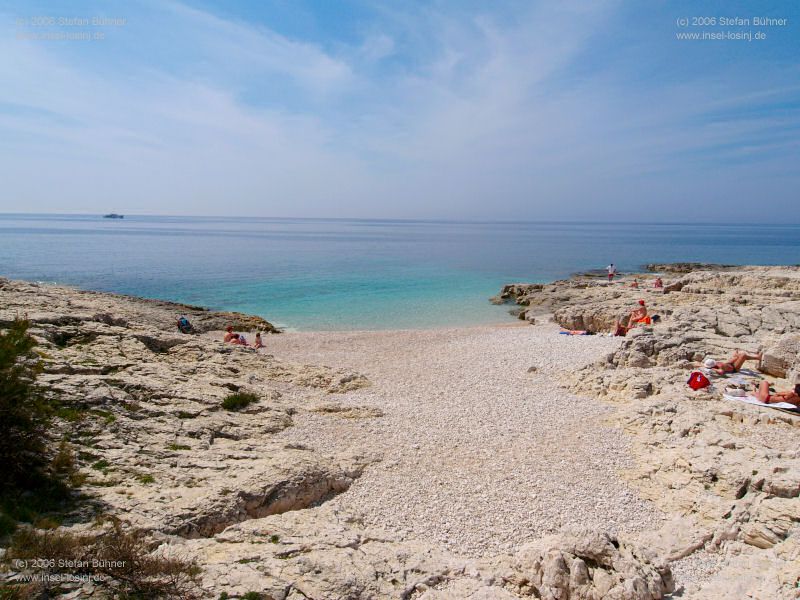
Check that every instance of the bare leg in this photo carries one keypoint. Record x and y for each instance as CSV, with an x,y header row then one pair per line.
x,y
740,357
762,393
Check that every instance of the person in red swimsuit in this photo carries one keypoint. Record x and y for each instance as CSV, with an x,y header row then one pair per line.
x,y
791,396
733,364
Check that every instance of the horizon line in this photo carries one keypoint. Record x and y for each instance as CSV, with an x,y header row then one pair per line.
x,y
410,220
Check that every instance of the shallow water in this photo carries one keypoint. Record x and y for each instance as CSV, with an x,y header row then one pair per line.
x,y
316,274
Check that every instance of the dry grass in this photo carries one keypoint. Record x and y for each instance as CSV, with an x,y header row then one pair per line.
x,y
117,559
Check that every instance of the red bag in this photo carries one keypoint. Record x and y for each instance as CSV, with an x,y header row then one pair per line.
x,y
698,381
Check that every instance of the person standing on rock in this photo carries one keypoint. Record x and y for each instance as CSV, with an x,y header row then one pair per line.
x,y
612,270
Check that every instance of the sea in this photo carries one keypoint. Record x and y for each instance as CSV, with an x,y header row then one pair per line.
x,y
353,274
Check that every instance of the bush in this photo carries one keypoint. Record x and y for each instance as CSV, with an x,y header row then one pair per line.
x,y
101,465
118,560
174,446
64,466
31,483
24,412
239,400
35,481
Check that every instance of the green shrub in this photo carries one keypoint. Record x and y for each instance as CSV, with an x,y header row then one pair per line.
x,y
24,412
64,466
33,479
73,414
18,591
239,400
107,416
49,498
174,446
7,525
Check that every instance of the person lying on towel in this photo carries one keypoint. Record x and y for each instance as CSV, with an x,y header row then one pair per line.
x,y
763,395
733,364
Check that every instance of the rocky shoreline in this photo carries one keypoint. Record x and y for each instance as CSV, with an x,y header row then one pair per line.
x,y
254,507
729,473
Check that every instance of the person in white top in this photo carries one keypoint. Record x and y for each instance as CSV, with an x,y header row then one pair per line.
x,y
612,270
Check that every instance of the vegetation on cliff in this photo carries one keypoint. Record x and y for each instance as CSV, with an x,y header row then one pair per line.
x,y
35,478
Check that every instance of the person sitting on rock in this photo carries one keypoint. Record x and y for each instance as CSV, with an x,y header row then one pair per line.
x,y
238,339
763,395
258,344
228,334
658,284
733,364
635,284
184,326
619,329
638,315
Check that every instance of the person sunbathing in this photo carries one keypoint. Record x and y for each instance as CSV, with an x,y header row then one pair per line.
x,y
239,340
622,330
619,329
635,284
733,364
791,396
228,334
183,325
658,284
638,315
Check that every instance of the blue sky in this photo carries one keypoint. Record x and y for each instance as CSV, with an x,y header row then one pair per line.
x,y
449,109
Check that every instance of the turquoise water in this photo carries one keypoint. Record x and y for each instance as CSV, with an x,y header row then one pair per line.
x,y
314,274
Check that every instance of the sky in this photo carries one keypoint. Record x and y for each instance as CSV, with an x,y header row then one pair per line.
x,y
507,110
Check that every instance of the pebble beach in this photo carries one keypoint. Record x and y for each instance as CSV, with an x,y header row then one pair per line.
x,y
480,449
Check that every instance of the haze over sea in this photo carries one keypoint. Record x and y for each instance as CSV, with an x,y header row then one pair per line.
x,y
319,274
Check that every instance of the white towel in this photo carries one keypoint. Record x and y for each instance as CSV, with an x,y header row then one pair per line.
x,y
751,400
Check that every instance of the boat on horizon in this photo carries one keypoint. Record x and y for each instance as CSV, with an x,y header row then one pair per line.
x,y
113,216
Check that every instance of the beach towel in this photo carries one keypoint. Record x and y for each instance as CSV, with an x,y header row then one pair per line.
x,y
749,372
752,400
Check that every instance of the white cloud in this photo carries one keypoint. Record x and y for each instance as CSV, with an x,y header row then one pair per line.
x,y
478,120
